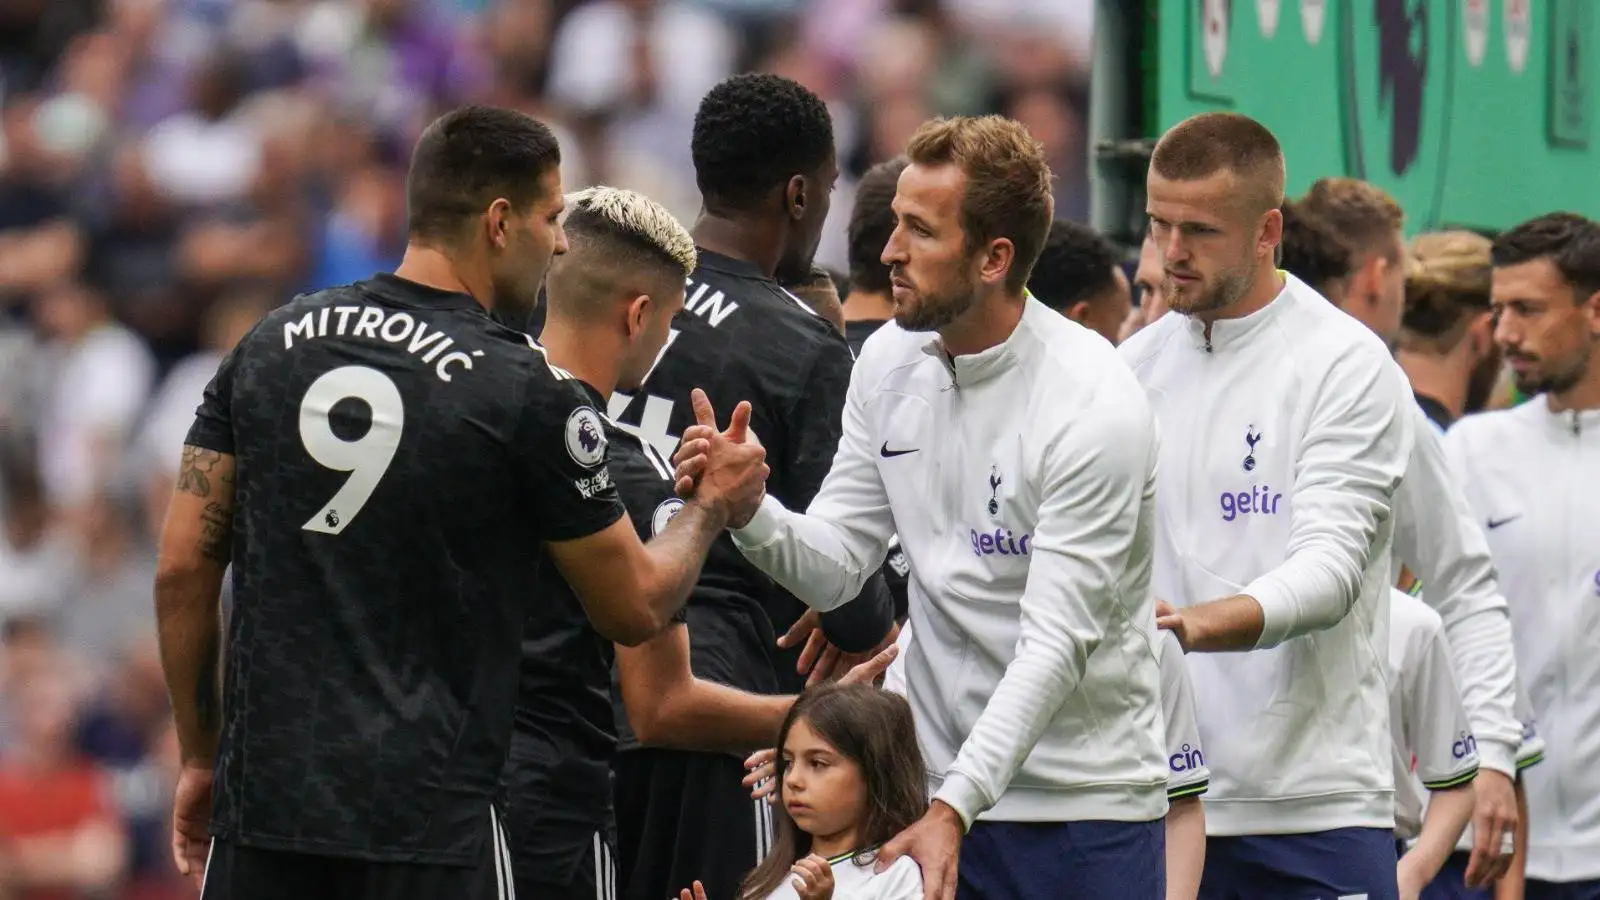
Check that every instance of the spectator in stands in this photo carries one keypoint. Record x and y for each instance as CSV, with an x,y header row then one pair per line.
x,y
59,832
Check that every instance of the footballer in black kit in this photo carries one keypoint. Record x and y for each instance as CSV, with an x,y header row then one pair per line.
x,y
398,454
566,734
380,463
764,158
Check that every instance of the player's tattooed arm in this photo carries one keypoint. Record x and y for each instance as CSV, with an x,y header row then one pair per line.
x,y
196,546
208,475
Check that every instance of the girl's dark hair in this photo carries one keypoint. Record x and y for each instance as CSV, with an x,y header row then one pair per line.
x,y
873,729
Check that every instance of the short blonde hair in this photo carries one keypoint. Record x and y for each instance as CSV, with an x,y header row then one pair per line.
x,y
1447,285
632,219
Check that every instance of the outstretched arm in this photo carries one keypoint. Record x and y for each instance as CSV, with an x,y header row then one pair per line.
x,y
825,555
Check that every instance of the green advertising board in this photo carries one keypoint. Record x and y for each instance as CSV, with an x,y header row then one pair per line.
x,y
1470,112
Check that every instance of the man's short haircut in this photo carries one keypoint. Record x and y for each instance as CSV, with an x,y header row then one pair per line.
x,y
468,158
635,229
1312,251
1203,145
1362,214
871,224
1570,241
754,132
1008,193
1075,264
1447,285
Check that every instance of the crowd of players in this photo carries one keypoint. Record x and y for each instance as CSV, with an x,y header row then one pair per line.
x,y
509,614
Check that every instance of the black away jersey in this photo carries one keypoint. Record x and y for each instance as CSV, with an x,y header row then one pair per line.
x,y
559,776
743,337
400,459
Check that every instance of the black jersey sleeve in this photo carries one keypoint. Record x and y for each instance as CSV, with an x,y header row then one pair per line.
x,y
815,423
561,446
213,419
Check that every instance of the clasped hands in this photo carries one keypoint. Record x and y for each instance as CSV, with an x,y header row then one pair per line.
x,y
721,470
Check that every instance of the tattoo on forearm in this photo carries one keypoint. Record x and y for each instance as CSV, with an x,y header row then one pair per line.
x,y
207,697
216,532
195,471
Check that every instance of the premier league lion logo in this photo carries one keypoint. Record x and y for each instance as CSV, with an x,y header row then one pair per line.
x,y
586,439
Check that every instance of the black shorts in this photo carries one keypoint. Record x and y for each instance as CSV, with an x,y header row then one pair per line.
x,y
683,817
236,872
594,878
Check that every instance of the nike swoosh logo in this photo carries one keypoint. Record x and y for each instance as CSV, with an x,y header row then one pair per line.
x,y
1496,523
886,453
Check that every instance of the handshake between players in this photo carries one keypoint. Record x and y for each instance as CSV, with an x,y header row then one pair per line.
x,y
722,469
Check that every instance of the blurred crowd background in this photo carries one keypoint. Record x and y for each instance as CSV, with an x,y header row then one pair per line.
x,y
171,169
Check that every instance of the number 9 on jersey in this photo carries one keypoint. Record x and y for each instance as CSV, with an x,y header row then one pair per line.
x,y
367,457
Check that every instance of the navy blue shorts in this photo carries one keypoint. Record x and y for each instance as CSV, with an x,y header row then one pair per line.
x,y
1570,890
1343,864
1451,882
1064,861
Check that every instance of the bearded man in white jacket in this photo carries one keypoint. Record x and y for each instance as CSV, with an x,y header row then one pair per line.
x,y
1015,454
1285,432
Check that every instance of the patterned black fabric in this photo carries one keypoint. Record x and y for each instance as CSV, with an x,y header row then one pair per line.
x,y
743,337
401,457
559,776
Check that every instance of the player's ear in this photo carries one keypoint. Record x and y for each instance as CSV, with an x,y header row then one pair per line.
x,y
1272,232
1078,312
794,197
1591,306
497,219
998,258
638,314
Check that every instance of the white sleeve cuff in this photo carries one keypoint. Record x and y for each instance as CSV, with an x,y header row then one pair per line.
x,y
1277,609
763,528
963,795
1498,757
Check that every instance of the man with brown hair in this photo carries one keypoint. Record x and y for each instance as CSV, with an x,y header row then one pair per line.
x,y
1313,253
1016,455
1436,537
1285,435
1367,220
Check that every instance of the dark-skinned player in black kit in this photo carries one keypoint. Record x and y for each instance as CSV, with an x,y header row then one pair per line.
x,y
765,165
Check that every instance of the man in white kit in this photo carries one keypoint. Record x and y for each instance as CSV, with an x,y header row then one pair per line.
x,y
1285,432
1016,455
1436,536
1532,474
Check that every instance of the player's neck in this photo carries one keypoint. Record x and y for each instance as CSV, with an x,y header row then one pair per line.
x,y
1583,395
988,323
1267,286
583,353
745,238
1443,378
435,268
868,306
